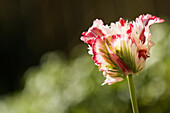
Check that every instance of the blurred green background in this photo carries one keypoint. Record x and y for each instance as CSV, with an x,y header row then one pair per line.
x,y
45,68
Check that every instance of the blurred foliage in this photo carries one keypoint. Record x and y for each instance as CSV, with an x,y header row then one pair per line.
x,y
60,85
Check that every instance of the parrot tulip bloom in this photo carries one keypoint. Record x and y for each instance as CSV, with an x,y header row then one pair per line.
x,y
121,48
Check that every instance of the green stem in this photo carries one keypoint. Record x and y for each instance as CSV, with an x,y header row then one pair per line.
x,y
132,93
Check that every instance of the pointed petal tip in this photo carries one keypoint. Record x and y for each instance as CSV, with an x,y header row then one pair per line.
x,y
122,21
98,22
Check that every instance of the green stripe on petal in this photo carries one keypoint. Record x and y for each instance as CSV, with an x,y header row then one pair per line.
x,y
128,53
103,58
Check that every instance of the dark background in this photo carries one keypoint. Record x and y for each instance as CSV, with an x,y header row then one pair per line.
x,y
30,28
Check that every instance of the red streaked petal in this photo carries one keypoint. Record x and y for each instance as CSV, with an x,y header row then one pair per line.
x,y
122,22
118,61
102,54
142,53
129,31
146,21
142,36
88,40
93,32
149,20
99,52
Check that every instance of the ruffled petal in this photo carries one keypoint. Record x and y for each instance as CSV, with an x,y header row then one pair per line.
x,y
121,48
100,52
122,22
142,25
141,34
93,32
111,79
104,57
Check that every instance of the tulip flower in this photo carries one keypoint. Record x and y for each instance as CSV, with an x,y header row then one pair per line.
x,y
120,49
